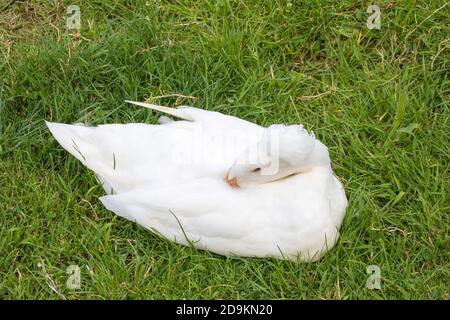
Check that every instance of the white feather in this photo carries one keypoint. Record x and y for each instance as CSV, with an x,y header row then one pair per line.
x,y
157,185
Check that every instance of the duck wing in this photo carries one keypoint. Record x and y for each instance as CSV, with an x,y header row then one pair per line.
x,y
206,212
126,156
208,119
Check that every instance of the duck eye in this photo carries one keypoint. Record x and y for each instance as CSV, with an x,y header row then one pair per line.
x,y
256,170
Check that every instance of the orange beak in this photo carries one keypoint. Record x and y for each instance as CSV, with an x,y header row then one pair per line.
x,y
232,182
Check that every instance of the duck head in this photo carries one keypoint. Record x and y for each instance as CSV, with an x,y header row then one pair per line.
x,y
282,151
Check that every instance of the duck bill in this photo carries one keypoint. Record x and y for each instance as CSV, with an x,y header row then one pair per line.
x,y
233,182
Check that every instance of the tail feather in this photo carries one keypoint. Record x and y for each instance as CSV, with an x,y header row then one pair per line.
x,y
69,136
172,111
91,146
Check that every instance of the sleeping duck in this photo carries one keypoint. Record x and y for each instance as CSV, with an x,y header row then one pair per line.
x,y
216,182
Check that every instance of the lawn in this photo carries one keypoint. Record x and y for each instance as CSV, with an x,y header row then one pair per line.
x,y
379,99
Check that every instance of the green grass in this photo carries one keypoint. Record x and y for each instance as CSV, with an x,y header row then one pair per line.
x,y
379,99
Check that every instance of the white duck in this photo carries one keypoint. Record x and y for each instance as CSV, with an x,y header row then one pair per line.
x,y
217,182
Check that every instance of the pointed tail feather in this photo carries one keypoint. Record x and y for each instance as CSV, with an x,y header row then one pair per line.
x,y
67,136
90,146
172,111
